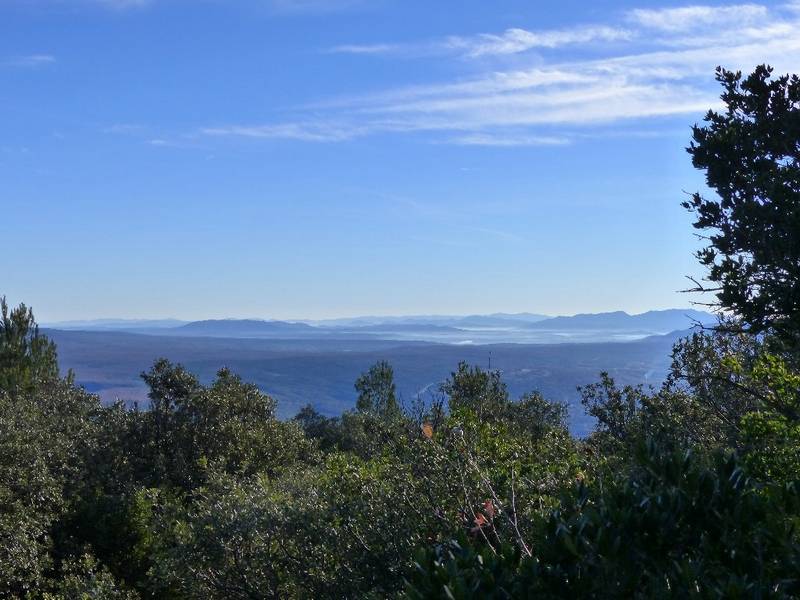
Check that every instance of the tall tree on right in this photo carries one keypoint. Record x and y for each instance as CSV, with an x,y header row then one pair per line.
x,y
750,152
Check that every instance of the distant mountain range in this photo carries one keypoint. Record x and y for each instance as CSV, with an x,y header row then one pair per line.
x,y
242,328
473,329
395,327
116,324
657,321
491,320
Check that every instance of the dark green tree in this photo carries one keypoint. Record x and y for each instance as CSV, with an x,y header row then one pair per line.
x,y
85,578
751,155
171,390
616,409
376,391
535,415
230,423
45,438
26,356
481,391
326,431
675,526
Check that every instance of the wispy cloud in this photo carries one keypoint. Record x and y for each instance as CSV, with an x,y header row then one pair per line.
x,y
513,41
170,143
651,63
507,140
307,132
124,129
689,18
366,49
29,60
670,26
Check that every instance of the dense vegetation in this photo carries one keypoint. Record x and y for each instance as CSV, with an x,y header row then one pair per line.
x,y
688,490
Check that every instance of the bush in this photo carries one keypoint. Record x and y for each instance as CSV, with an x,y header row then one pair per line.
x,y
670,528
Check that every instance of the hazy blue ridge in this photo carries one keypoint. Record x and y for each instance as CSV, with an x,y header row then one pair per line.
x,y
654,320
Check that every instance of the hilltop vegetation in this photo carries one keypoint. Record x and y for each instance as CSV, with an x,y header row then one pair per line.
x,y
687,490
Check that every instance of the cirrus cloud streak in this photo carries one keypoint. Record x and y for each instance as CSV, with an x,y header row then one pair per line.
x,y
650,64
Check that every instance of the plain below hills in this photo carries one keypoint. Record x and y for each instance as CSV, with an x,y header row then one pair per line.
x,y
300,364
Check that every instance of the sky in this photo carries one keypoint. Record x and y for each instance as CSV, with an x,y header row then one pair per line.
x,y
326,158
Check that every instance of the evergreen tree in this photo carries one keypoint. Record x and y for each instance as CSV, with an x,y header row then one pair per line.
x,y
27,357
751,155
481,391
376,391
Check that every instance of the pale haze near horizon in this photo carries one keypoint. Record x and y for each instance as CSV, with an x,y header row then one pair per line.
x,y
311,160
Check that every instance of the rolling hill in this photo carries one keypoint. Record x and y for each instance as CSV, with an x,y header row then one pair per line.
x,y
234,328
661,321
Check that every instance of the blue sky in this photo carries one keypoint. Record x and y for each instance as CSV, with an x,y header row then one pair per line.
x,y
321,158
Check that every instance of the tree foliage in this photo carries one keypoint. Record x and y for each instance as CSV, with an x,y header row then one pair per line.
x,y
750,153
26,356
377,392
476,389
671,527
